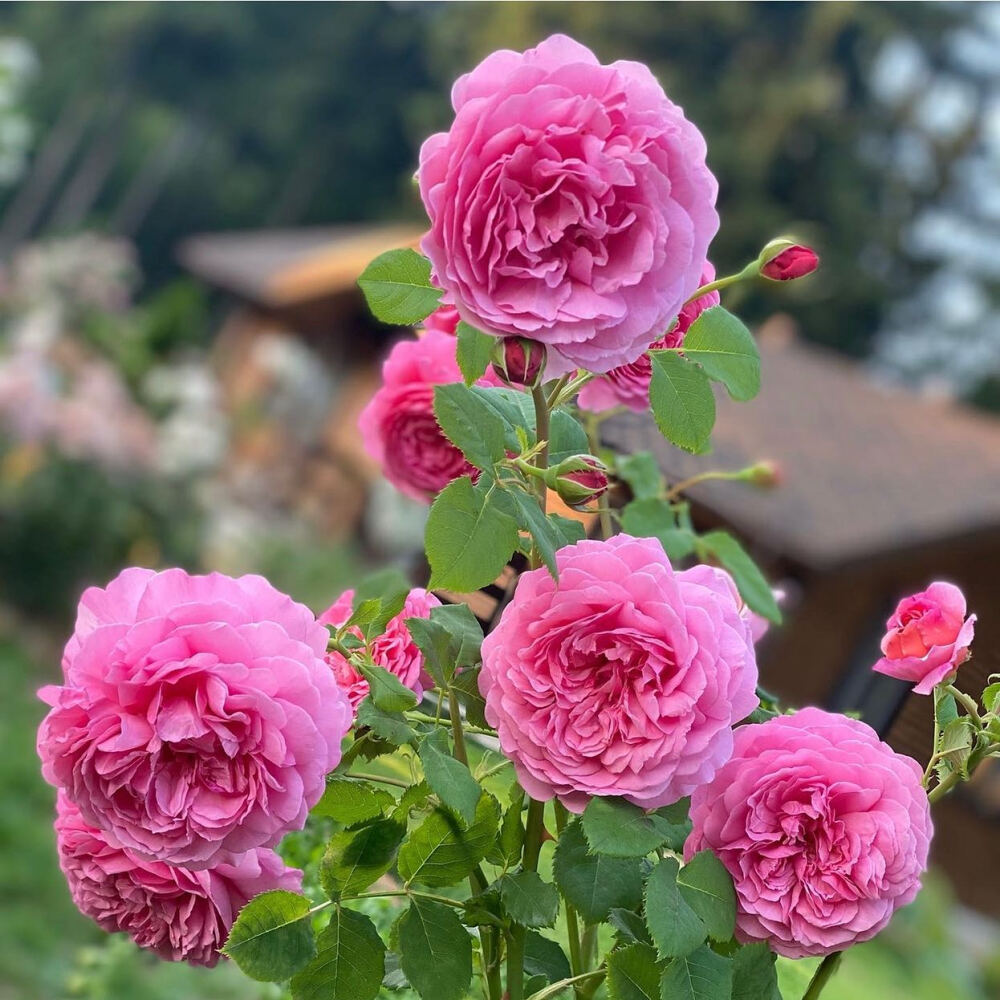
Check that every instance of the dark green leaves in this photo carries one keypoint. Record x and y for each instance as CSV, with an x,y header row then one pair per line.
x,y
708,889
272,937
349,964
755,590
594,883
349,801
633,974
642,472
652,517
682,401
450,638
702,975
354,859
449,779
390,726
397,286
470,424
726,350
387,691
441,852
755,976
528,900
620,829
474,351
471,533
435,950
675,928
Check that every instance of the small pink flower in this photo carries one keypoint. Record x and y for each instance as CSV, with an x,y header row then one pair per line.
x,y
624,678
569,202
398,426
928,637
824,829
179,914
793,262
394,649
444,319
628,385
197,718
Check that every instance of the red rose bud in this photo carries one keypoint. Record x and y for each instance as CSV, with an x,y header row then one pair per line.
x,y
579,480
519,361
791,260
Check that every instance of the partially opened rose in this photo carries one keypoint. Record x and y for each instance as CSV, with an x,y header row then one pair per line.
x,y
179,914
197,718
398,426
624,678
824,828
569,203
393,650
928,637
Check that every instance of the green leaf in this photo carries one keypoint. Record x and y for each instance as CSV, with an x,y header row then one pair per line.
x,y
383,582
702,975
439,852
629,926
386,690
529,901
471,533
354,859
472,426
682,401
474,352
387,725
466,686
349,964
633,973
397,286
449,779
543,957
272,937
955,746
594,883
450,638
511,841
373,614
642,473
725,348
654,518
546,535
618,828
675,928
991,697
566,437
435,950
755,590
708,889
414,797
570,531
677,823
755,973
349,801
945,707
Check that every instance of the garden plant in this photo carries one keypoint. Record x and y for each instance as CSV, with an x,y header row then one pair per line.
x,y
594,798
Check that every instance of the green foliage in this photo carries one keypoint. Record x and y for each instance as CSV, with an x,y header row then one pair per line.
x,y
473,351
470,424
633,974
755,974
642,473
619,829
398,289
448,778
725,348
354,859
702,975
754,589
389,726
349,962
471,533
387,692
543,957
708,889
652,517
466,686
594,883
349,801
449,639
680,395
435,950
676,929
272,937
528,900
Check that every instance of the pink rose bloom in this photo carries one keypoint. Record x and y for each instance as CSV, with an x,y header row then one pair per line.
x,y
569,203
928,637
628,385
398,426
197,718
824,829
624,678
445,319
393,650
179,914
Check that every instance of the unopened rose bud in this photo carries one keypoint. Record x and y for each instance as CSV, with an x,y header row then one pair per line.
x,y
766,475
783,260
519,361
579,480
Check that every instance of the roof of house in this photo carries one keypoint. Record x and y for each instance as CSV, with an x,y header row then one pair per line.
x,y
277,268
866,469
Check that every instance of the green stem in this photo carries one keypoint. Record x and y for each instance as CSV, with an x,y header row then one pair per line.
x,y
380,779
597,977
534,829
944,787
456,728
572,925
750,271
592,424
675,491
351,753
967,702
822,975
429,896
588,945
515,964
421,717
542,414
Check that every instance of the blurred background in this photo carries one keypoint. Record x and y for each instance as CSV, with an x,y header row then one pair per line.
x,y
187,194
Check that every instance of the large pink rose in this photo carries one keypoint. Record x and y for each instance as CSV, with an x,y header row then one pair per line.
x,y
398,426
628,385
928,637
569,203
624,678
394,649
179,914
824,829
197,716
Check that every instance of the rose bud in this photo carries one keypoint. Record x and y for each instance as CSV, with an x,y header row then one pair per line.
x,y
519,361
765,475
783,260
578,480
